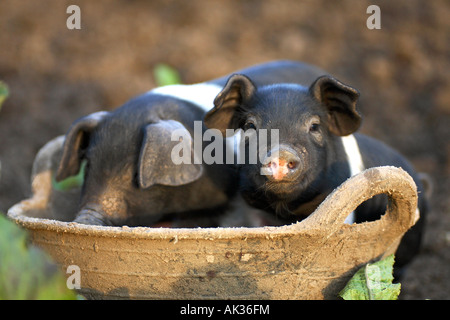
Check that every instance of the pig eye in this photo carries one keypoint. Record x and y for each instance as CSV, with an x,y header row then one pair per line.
x,y
249,125
314,127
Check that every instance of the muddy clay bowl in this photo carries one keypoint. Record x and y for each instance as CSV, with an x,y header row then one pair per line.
x,y
312,259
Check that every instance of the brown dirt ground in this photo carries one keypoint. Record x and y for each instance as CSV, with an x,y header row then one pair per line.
x,y
56,75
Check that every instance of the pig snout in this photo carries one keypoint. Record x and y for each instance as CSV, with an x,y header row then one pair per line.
x,y
106,212
281,164
91,216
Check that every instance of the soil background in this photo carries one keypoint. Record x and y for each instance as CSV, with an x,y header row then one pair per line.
x,y
57,75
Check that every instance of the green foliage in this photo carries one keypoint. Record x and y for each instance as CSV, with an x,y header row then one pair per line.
x,y
4,92
71,182
373,282
165,75
26,272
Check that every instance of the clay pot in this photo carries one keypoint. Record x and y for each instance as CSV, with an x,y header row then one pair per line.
x,y
312,259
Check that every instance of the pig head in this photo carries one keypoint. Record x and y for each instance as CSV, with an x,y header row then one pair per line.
x,y
130,176
293,176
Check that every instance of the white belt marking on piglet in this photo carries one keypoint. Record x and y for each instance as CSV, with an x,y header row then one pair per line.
x,y
355,163
200,94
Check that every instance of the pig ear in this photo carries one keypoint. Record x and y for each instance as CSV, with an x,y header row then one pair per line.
x,y
156,163
340,101
75,143
238,89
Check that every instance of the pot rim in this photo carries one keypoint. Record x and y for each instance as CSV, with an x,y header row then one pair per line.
x,y
331,214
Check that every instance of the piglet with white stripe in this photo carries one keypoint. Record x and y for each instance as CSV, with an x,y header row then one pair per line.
x,y
317,149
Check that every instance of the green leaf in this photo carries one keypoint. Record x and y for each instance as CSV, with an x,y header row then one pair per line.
x,y
4,93
165,75
26,272
71,182
373,282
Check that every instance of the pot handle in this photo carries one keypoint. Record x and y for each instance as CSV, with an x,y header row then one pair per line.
x,y
395,182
